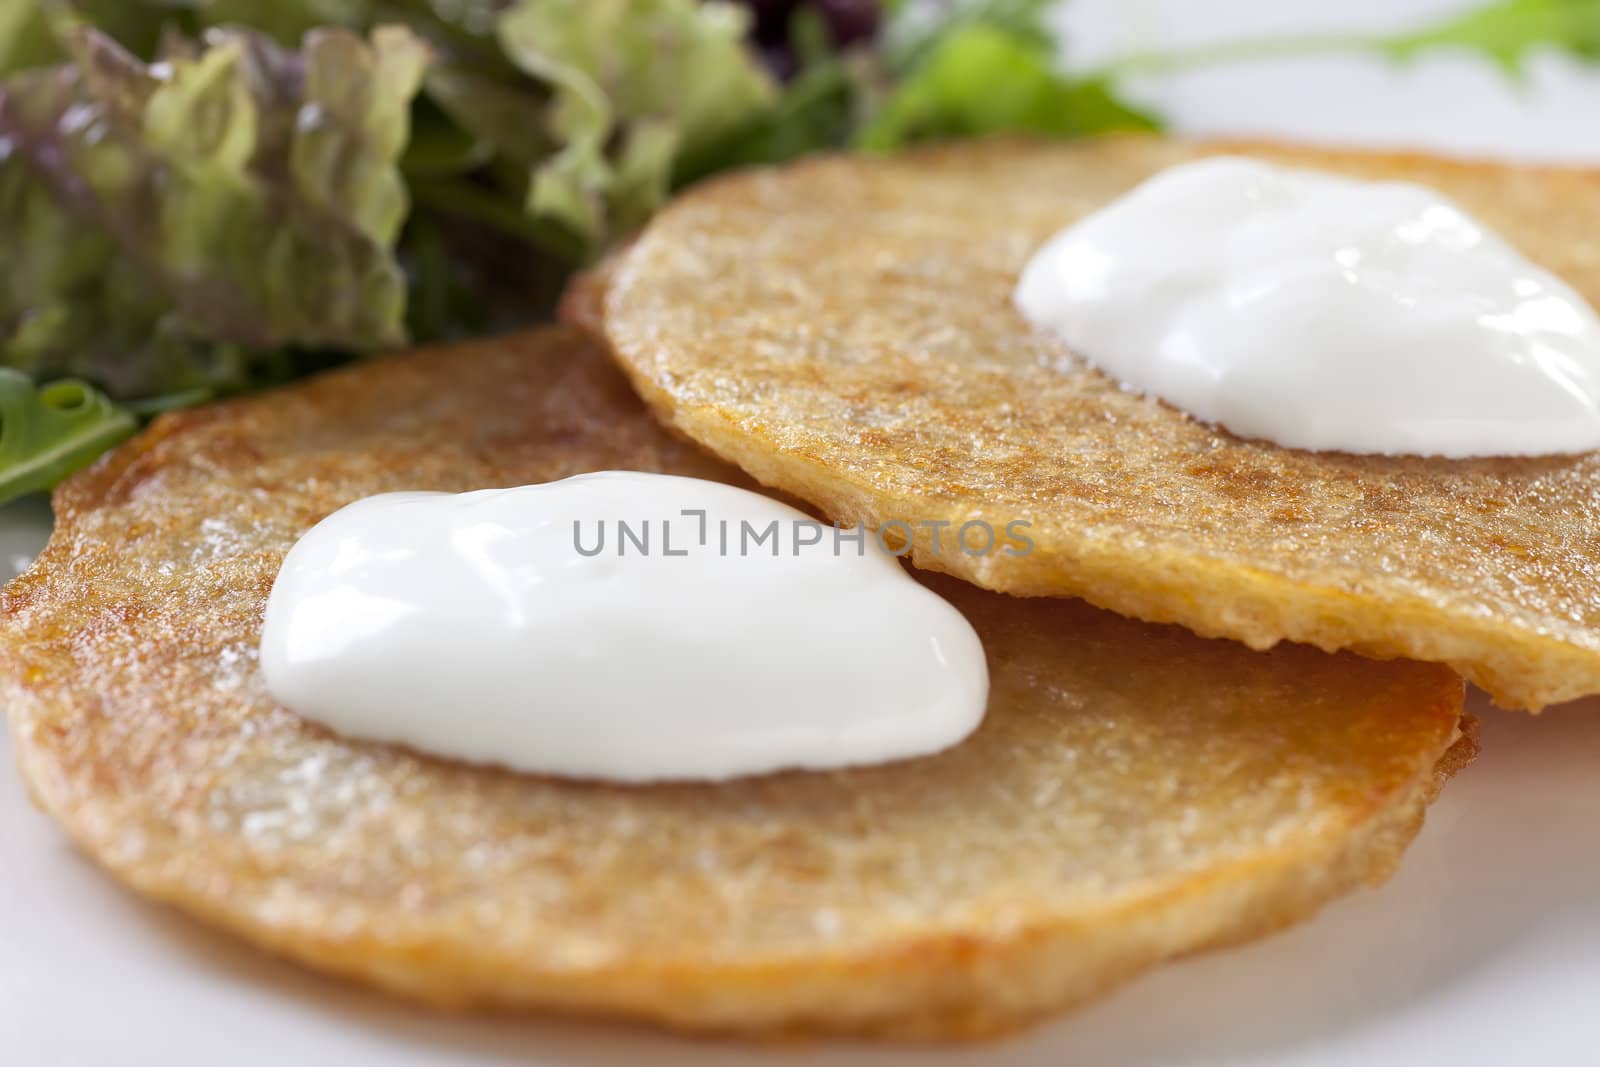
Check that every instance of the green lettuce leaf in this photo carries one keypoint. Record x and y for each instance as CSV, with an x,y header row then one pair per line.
x,y
498,117
916,29
172,220
979,77
47,433
633,83
820,109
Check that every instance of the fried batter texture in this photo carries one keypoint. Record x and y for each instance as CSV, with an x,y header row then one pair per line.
x,y
1135,793
843,330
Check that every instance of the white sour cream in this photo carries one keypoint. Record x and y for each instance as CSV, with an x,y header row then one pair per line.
x,y
478,626
1323,312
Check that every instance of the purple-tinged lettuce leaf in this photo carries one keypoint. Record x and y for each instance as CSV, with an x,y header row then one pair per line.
x,y
165,220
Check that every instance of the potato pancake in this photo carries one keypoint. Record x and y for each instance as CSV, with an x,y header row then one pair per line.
x,y
1135,793
843,330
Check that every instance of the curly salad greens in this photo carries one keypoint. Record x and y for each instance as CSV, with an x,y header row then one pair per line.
x,y
201,197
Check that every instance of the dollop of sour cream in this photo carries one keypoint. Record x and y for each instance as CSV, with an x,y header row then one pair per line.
x,y
618,625
1324,312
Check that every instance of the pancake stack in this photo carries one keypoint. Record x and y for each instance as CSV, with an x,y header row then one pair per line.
x,y
841,332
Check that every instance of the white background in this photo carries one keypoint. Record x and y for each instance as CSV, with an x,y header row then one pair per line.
x,y
1484,950
1452,102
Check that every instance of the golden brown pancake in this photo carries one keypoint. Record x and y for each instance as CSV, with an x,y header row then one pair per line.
x,y
843,330
1135,793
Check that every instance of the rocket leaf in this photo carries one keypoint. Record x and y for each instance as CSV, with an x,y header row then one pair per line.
x,y
1510,30
47,433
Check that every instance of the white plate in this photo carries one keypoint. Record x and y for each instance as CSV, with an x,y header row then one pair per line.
x,y
1485,949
